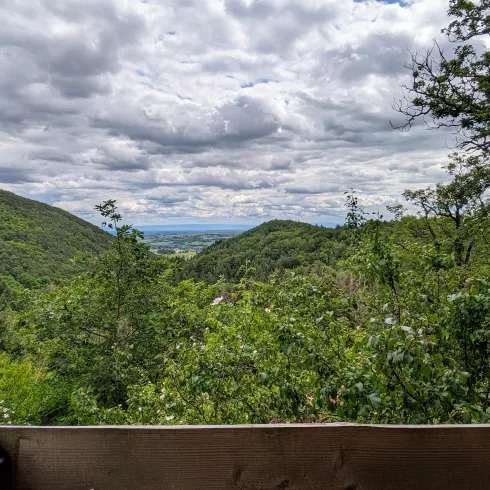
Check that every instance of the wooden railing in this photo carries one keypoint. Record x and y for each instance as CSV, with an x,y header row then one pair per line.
x,y
335,456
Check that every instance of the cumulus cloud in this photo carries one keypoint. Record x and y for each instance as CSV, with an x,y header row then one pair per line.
x,y
212,110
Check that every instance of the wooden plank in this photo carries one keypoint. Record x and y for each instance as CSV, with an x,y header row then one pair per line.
x,y
336,456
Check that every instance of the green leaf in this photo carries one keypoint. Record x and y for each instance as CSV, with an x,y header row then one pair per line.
x,y
373,341
374,400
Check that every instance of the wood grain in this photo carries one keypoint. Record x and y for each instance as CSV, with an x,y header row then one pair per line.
x,y
335,456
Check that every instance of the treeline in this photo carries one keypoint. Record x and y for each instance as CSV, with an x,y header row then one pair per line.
x,y
396,331
376,322
275,245
38,242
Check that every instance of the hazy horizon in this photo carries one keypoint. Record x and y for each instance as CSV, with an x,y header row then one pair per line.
x,y
208,227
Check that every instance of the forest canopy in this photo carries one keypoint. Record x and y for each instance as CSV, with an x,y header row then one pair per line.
x,y
383,320
38,242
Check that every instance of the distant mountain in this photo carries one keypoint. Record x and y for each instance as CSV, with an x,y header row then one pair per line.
x,y
38,241
328,224
156,229
277,244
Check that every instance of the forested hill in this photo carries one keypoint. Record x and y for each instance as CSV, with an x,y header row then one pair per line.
x,y
38,241
277,244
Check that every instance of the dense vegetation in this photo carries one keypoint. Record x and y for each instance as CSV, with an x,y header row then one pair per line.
x,y
271,246
38,242
396,331
373,322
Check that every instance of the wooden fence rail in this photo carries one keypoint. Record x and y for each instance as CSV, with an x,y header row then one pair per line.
x,y
330,456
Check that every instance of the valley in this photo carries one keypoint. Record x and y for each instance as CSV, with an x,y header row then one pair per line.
x,y
384,319
185,242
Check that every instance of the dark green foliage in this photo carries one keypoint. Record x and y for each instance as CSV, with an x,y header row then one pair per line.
x,y
395,332
472,19
273,245
375,322
38,242
461,207
453,90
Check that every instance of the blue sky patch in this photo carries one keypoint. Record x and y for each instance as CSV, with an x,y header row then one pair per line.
x,y
403,3
256,82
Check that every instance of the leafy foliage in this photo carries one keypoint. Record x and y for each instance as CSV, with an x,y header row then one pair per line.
x,y
277,244
377,322
38,242
397,331
453,91
461,206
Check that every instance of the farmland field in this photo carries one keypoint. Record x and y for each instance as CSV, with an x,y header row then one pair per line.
x,y
185,242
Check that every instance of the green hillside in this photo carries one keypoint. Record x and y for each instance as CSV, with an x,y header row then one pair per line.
x,y
277,244
38,241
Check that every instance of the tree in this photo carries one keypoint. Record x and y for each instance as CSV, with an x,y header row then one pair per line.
x,y
99,333
460,206
453,92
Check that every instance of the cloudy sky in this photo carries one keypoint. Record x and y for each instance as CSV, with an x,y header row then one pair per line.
x,y
195,111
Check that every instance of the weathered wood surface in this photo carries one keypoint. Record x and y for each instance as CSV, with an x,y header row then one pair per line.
x,y
336,456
